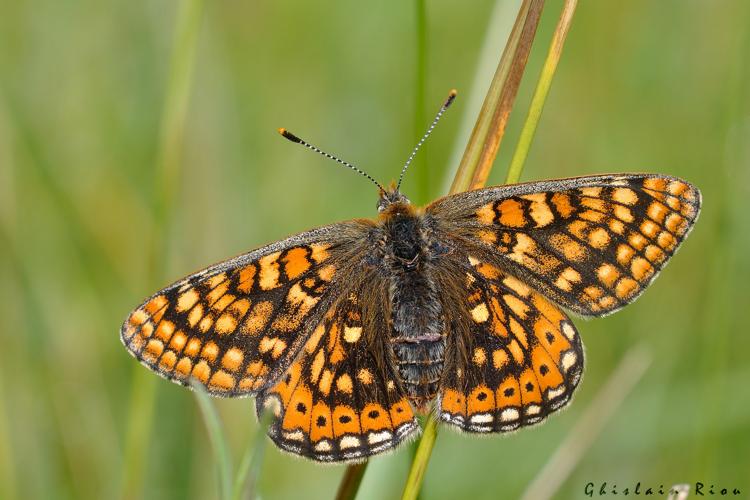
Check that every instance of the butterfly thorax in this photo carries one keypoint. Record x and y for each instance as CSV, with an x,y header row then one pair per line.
x,y
417,333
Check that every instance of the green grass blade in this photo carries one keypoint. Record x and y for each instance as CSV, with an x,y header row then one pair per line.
x,y
540,94
218,440
140,415
246,480
243,470
489,129
421,459
140,418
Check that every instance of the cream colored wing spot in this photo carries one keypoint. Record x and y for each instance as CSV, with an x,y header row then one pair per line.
x,y
568,360
509,415
480,356
608,274
541,213
352,334
320,252
486,214
187,300
625,196
269,271
568,330
379,437
623,213
480,314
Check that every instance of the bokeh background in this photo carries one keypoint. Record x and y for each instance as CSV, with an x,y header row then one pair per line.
x,y
104,198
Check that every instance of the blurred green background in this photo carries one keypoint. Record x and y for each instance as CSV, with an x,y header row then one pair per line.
x,y
88,228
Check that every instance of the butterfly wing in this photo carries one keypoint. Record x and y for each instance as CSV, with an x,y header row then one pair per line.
x,y
341,400
591,244
238,325
514,359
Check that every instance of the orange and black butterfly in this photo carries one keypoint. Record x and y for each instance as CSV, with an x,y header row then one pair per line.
x,y
347,331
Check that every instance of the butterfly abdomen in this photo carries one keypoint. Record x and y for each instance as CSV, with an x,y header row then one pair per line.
x,y
417,336
417,328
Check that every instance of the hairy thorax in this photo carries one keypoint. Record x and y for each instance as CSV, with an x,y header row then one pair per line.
x,y
417,333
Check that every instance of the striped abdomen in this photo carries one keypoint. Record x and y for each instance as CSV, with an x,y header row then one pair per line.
x,y
417,336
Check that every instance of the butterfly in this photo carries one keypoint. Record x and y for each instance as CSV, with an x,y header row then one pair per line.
x,y
348,331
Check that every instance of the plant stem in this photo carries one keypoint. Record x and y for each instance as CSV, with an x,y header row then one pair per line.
x,y
485,139
421,459
140,416
349,484
243,471
540,94
246,480
218,440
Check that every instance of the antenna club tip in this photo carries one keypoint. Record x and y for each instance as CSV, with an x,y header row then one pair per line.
x,y
451,96
288,135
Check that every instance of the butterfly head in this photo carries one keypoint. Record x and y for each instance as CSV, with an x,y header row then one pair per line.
x,y
391,199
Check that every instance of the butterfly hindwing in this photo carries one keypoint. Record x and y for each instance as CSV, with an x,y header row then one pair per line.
x,y
236,326
591,244
341,399
519,361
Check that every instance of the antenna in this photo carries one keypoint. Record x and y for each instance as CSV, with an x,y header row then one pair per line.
x,y
446,104
290,136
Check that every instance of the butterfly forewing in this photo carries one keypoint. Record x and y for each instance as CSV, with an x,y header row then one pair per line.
x,y
236,326
591,244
